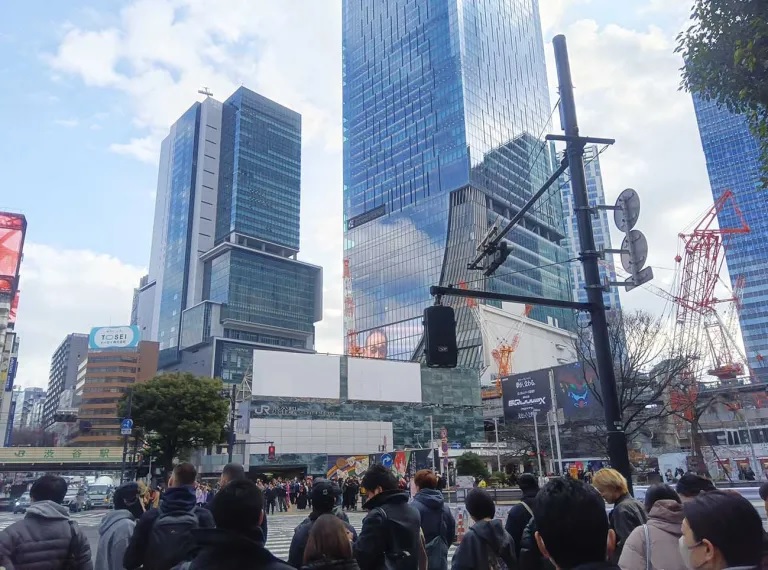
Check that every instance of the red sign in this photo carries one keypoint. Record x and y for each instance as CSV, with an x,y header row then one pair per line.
x,y
271,453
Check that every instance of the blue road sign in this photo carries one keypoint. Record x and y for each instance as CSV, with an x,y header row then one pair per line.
x,y
126,426
386,460
455,445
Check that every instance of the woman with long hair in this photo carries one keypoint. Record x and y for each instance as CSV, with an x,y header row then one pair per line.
x,y
329,546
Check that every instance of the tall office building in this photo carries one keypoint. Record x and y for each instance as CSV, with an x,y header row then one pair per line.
x,y
444,103
25,403
223,275
600,225
733,163
63,375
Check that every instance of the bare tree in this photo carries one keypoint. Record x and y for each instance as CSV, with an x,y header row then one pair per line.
x,y
646,367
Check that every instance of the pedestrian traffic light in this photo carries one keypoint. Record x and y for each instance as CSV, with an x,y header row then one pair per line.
x,y
271,453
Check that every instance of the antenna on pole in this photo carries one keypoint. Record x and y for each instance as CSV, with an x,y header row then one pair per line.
x,y
205,91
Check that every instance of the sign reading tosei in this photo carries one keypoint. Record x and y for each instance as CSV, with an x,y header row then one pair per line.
x,y
526,394
106,338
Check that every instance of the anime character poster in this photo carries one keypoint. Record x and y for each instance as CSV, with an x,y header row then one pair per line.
x,y
343,466
576,388
400,465
421,459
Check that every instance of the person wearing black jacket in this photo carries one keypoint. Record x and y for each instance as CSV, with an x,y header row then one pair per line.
x,y
572,527
392,526
521,514
530,557
236,542
236,472
486,543
627,513
436,518
179,498
324,495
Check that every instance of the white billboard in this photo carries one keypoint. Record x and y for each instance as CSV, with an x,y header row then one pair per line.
x,y
295,375
383,380
105,338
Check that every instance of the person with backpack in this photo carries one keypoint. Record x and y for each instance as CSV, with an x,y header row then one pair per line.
x,y
236,542
486,545
236,472
437,522
520,515
46,538
163,537
391,534
324,495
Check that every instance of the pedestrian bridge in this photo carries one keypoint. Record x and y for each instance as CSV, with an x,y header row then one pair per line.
x,y
59,458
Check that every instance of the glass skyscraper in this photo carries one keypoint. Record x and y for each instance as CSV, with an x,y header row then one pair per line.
x,y
600,226
223,269
733,163
444,104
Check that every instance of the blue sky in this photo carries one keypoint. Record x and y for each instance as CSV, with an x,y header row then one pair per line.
x,y
90,88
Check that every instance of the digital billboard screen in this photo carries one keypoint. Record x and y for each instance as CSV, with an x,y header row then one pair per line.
x,y
577,388
526,394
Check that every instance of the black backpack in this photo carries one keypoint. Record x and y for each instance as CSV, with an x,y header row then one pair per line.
x,y
437,548
171,541
395,556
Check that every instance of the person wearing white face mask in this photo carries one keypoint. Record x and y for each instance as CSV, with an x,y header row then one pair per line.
x,y
721,530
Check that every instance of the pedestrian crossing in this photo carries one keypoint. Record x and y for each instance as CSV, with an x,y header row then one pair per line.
x,y
87,518
281,527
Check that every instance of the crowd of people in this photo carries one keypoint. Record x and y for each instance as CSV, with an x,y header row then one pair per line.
x,y
562,525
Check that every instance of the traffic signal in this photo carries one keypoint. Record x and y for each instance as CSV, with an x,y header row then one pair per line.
x,y
500,255
440,347
271,453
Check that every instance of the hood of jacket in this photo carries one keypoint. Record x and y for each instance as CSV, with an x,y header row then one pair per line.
x,y
393,497
48,510
667,515
178,499
222,545
430,498
493,534
112,518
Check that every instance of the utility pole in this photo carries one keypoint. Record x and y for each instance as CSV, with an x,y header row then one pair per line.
x,y
498,456
232,417
617,439
125,437
432,442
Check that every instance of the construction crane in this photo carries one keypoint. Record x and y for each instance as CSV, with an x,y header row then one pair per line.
x,y
353,349
504,353
700,260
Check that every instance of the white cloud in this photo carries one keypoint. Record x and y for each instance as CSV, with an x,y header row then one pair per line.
x,y
145,149
65,291
68,123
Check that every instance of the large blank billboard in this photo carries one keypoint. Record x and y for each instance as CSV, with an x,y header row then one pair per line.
x,y
295,375
383,380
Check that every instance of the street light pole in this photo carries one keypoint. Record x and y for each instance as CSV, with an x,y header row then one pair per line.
x,y
498,456
617,438
432,442
232,417
125,437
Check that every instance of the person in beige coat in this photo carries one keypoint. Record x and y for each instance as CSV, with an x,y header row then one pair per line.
x,y
658,538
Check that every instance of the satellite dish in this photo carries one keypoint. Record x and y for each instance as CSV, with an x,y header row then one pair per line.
x,y
636,251
627,210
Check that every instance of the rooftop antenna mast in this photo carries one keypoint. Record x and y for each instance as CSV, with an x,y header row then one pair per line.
x,y
205,91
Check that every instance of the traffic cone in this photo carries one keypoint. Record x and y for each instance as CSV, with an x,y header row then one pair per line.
x,y
460,527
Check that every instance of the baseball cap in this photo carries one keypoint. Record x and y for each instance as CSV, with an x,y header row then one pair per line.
x,y
324,492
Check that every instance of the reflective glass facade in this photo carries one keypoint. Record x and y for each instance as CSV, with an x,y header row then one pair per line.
x,y
260,178
443,105
265,290
732,155
181,170
600,226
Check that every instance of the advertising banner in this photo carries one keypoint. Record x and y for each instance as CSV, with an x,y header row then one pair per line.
x,y
575,386
9,429
114,338
343,466
12,230
526,394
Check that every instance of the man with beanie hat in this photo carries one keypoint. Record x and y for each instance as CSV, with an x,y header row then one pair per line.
x,y
324,495
117,527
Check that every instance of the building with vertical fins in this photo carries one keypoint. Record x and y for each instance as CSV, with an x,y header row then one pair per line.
x,y
444,107
733,163
600,225
224,277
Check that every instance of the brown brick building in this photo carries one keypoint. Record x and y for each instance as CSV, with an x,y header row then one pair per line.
x,y
102,381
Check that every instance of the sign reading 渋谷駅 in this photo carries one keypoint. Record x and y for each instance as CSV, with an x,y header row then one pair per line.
x,y
10,455
106,338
